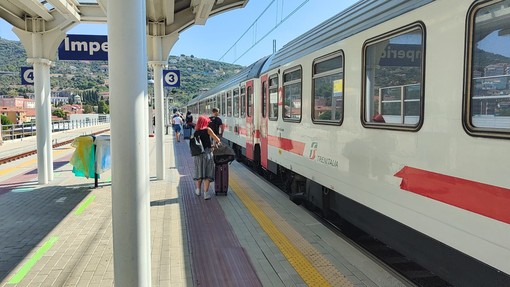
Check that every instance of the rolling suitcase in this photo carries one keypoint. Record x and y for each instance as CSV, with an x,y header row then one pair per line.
x,y
221,179
187,132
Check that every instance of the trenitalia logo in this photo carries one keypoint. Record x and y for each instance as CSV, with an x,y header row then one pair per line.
x,y
313,150
320,159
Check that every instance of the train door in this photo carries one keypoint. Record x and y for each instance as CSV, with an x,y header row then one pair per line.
x,y
250,129
263,121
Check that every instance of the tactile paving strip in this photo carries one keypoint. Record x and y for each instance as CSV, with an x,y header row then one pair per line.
x,y
314,268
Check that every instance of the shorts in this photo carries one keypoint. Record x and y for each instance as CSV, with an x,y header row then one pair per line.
x,y
177,128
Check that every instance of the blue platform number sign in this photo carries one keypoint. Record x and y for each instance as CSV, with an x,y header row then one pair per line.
x,y
171,78
27,75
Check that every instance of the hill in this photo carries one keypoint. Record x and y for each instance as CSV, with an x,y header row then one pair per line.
x,y
79,76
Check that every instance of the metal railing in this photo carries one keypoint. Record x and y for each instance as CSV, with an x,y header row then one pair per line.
x,y
19,131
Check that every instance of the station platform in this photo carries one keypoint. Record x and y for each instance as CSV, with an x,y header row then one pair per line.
x,y
60,234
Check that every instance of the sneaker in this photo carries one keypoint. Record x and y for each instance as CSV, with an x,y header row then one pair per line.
x,y
197,191
207,195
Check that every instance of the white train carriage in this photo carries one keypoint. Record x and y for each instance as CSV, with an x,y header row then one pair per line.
x,y
414,150
235,99
395,116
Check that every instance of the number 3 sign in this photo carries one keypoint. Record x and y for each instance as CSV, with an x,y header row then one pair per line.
x,y
171,78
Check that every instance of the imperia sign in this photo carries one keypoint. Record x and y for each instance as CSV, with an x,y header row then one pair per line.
x,y
84,47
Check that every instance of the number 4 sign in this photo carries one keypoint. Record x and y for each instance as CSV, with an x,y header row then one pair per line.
x,y
27,75
171,78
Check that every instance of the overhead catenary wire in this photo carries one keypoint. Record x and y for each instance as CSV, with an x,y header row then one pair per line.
x,y
277,24
248,29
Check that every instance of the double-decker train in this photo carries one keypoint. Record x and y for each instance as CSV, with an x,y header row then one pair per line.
x,y
394,116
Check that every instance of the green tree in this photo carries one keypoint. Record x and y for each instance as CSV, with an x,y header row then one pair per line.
x,y
59,113
103,108
12,93
87,109
5,121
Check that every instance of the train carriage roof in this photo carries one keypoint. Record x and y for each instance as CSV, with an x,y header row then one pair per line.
x,y
359,17
250,72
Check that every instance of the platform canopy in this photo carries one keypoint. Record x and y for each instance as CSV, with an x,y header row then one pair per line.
x,y
164,17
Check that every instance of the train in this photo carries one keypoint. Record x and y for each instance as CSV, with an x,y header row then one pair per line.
x,y
394,116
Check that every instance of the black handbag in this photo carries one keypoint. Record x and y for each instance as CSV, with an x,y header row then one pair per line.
x,y
195,146
223,154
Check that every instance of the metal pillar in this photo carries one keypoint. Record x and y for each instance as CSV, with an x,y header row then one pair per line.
x,y
43,119
158,49
129,142
167,115
40,46
158,98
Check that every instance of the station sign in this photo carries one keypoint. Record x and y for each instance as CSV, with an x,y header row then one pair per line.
x,y
171,78
27,75
84,47
403,55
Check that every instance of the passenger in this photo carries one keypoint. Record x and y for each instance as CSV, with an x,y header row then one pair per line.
x,y
216,123
378,118
177,125
204,163
189,120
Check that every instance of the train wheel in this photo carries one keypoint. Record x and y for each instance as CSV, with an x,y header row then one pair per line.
x,y
294,185
239,154
298,189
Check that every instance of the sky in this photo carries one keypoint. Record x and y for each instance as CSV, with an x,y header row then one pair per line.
x,y
283,21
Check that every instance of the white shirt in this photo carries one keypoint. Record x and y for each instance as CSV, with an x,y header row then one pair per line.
x,y
177,120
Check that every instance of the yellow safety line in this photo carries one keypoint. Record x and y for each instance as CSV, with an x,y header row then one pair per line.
x,y
28,163
302,266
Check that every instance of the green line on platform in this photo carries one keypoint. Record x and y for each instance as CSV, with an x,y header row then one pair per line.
x,y
84,205
30,263
23,189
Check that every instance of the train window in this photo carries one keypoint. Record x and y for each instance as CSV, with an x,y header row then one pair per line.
x,y
250,101
242,98
236,103
264,99
327,96
222,105
292,95
393,79
273,97
229,104
201,107
208,105
487,101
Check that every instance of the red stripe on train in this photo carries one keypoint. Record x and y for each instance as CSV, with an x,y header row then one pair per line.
x,y
487,200
287,144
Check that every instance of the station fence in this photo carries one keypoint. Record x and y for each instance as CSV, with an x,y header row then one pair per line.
x,y
19,131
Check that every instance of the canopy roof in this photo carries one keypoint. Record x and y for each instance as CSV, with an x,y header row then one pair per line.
x,y
164,17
